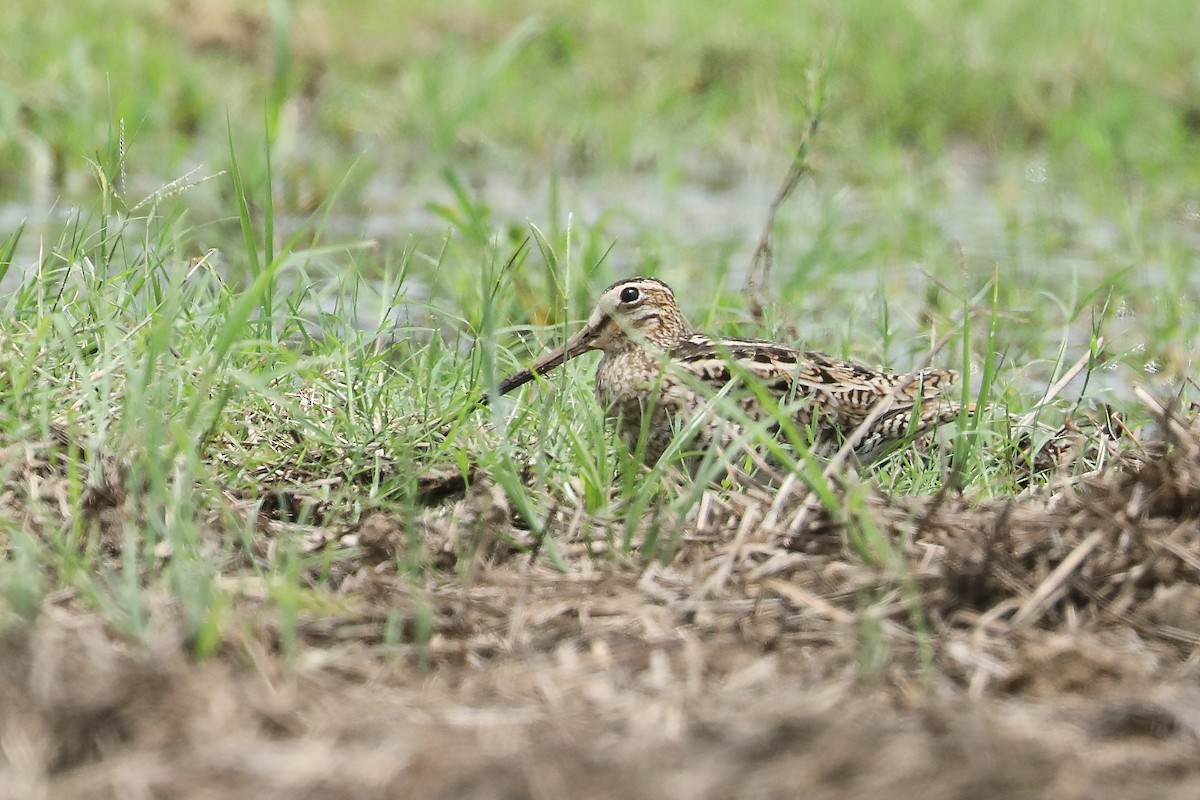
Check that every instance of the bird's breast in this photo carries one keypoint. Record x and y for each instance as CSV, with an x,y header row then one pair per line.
x,y
625,376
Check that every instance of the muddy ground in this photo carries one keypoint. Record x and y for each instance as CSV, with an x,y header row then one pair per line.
x,y
1042,646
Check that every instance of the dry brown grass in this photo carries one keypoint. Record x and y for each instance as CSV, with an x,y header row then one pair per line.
x,y
1040,646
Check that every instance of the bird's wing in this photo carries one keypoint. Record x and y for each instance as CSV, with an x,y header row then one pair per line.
x,y
787,370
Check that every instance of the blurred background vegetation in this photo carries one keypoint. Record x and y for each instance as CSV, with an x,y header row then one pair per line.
x,y
1106,90
1056,142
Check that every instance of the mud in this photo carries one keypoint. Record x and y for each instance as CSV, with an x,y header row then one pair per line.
x,y
1042,645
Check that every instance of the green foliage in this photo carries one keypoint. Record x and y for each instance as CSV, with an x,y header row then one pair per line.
x,y
1017,173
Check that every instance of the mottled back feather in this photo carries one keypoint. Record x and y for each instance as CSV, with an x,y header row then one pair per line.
x,y
788,370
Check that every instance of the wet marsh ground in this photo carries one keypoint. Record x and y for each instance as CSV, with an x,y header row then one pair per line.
x,y
258,262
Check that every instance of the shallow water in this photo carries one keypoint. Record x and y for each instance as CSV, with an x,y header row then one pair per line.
x,y
998,215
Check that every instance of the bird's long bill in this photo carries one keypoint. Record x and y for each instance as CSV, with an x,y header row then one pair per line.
x,y
581,342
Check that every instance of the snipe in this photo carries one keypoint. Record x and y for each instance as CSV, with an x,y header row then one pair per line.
x,y
657,374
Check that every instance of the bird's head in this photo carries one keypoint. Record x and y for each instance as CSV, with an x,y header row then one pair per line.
x,y
635,312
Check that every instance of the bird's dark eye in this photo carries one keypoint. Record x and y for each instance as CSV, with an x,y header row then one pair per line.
x,y
630,294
